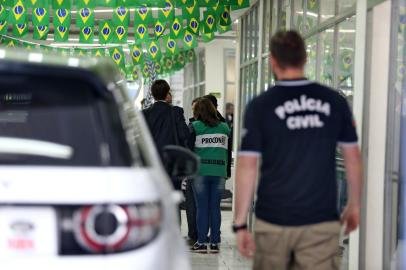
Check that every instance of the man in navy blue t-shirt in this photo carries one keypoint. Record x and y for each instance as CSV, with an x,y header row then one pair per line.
x,y
292,132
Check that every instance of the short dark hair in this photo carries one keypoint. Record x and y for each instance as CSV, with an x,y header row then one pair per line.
x,y
160,89
195,100
289,49
213,100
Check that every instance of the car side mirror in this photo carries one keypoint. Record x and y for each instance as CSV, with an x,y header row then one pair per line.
x,y
180,162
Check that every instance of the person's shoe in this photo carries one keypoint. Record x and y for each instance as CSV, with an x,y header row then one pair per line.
x,y
199,248
189,241
214,248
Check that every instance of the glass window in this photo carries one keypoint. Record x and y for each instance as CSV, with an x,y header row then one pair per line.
x,y
283,20
298,15
312,13
249,36
326,54
255,33
267,26
311,58
344,5
202,66
345,61
327,9
266,74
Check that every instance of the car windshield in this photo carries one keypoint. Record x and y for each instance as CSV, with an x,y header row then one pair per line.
x,y
63,121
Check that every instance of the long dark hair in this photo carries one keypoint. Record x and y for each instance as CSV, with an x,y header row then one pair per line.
x,y
205,111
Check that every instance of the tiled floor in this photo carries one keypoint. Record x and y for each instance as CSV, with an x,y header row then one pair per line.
x,y
228,259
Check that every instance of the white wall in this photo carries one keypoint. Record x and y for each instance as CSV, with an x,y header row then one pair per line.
x,y
215,67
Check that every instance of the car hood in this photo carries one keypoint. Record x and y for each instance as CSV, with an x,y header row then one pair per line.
x,y
57,185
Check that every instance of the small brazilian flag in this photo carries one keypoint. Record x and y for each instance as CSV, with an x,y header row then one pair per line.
x,y
179,61
176,27
46,48
192,11
189,40
141,32
223,29
169,64
240,4
36,3
168,12
86,35
40,16
106,30
127,3
208,3
57,4
62,17
171,46
80,52
29,46
208,37
3,27
159,28
135,73
18,13
10,42
136,54
120,34
154,51
158,67
98,52
121,16
61,33
85,17
209,21
190,56
225,15
20,30
3,13
63,51
86,3
193,25
117,55
107,3
146,71
183,3
142,15
40,32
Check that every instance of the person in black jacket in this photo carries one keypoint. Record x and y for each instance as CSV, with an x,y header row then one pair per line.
x,y
162,118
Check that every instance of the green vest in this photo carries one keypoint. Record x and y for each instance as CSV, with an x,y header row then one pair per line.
x,y
211,146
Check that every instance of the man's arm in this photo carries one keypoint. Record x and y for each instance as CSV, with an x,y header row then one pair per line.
x,y
246,175
353,166
183,130
247,172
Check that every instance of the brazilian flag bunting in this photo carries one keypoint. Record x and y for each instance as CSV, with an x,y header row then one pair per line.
x,y
179,61
29,46
61,33
80,52
86,4
192,11
208,37
106,30
171,46
154,51
37,3
128,3
176,27
141,32
135,73
159,28
136,54
146,71
225,15
183,3
142,15
63,51
120,34
20,30
40,16
223,29
10,42
3,27
190,56
62,17
85,17
168,12
117,55
86,35
18,14
98,52
209,21
240,4
107,3
208,3
121,16
3,13
193,25
41,32
189,40
57,4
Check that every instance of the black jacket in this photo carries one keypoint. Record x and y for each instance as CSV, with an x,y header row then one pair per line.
x,y
161,126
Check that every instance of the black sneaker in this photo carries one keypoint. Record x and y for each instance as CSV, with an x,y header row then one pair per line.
x,y
199,248
214,248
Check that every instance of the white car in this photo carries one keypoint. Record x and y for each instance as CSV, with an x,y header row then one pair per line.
x,y
81,183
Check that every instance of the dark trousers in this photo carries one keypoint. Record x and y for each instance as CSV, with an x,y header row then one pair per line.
x,y
190,210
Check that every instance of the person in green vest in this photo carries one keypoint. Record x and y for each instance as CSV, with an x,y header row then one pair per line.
x,y
209,137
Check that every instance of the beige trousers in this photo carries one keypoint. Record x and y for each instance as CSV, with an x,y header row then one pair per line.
x,y
311,247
